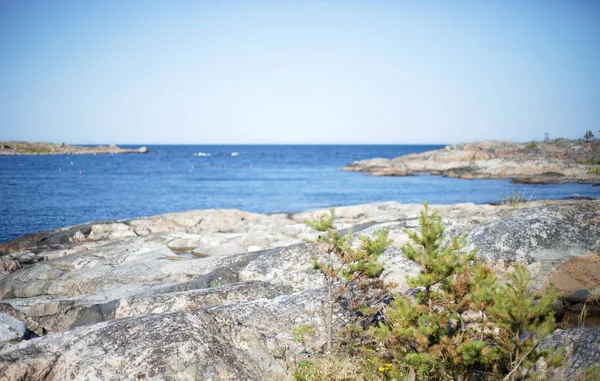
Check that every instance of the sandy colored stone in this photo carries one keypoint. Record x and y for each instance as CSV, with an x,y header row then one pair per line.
x,y
580,273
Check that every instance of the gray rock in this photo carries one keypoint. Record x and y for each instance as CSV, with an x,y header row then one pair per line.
x,y
579,296
47,240
114,231
242,341
94,314
581,346
11,328
78,237
288,266
189,300
551,233
32,325
58,315
212,251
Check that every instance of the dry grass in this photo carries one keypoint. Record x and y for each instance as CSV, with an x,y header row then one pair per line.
x,y
335,368
517,198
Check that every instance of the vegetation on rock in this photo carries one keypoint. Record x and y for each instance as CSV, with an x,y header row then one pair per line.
x,y
347,270
594,170
458,322
515,199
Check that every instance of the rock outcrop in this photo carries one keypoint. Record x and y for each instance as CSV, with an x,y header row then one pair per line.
x,y
189,296
556,161
242,341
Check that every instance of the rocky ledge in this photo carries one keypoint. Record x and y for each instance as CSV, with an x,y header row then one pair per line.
x,y
555,161
42,148
215,294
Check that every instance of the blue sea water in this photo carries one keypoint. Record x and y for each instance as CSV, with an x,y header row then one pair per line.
x,y
46,192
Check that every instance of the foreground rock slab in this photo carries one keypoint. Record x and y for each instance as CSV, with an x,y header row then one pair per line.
x,y
243,341
215,294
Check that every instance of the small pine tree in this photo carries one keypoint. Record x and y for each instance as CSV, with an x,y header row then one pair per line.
x,y
460,324
423,333
521,319
347,269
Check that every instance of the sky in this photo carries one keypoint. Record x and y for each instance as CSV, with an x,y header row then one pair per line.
x,y
298,72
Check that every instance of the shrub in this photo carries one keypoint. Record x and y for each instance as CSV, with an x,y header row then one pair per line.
x,y
531,145
460,324
348,270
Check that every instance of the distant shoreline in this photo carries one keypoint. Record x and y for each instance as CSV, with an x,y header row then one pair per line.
x,y
19,148
556,161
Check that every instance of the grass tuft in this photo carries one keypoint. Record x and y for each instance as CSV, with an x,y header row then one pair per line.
x,y
594,170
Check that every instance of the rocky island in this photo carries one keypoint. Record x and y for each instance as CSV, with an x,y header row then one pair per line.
x,y
43,148
216,294
553,161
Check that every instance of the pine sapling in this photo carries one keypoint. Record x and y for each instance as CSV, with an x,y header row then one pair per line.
x,y
344,267
522,318
460,324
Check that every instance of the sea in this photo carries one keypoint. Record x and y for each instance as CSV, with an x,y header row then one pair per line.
x,y
46,192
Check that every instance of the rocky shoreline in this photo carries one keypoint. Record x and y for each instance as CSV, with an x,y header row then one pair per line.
x,y
43,148
552,162
215,294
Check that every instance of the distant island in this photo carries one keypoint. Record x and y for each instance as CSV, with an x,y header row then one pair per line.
x,y
550,162
43,148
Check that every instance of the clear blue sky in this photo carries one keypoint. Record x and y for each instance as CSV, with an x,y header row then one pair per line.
x,y
101,71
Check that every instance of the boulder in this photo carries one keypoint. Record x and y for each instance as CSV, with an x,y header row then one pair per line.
x,y
552,233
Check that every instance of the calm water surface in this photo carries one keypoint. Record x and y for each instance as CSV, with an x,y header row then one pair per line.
x,y
45,192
